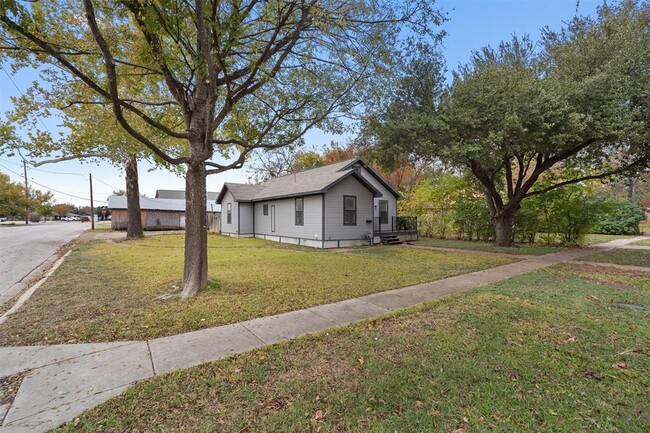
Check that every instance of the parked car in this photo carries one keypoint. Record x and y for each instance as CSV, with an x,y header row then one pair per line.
x,y
3,219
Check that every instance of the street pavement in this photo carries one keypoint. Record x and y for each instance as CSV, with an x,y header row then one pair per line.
x,y
65,380
24,248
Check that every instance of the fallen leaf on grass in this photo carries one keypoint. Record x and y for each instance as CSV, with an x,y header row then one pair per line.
x,y
620,365
571,339
419,404
319,414
595,298
593,374
361,360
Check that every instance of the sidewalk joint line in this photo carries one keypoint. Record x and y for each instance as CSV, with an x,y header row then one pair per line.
x,y
153,367
323,317
254,334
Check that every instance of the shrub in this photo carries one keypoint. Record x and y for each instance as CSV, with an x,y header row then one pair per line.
x,y
528,222
622,219
472,219
563,215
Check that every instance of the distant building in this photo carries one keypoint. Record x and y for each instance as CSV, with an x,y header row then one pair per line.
x,y
179,194
159,213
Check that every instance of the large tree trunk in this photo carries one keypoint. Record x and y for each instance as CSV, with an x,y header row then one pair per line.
x,y
134,221
631,188
503,222
196,232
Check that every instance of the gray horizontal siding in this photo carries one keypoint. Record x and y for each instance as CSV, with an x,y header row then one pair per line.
x,y
334,228
225,227
387,195
246,218
285,218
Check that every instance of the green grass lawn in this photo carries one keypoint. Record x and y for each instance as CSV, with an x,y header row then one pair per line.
x,y
102,225
548,352
109,291
645,243
595,238
622,257
535,250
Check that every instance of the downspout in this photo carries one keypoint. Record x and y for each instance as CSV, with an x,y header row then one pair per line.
x,y
372,224
323,227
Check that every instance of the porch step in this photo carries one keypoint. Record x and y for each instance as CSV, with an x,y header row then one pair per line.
x,y
390,240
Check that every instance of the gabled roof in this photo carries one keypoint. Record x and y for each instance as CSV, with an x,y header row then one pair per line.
x,y
241,191
376,175
313,181
179,194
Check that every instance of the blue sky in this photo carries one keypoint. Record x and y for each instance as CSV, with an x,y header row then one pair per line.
x,y
472,24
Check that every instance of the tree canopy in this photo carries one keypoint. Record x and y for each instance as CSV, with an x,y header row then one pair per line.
x,y
15,203
225,78
575,102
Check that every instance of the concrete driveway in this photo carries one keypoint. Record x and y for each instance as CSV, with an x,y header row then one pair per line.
x,y
23,248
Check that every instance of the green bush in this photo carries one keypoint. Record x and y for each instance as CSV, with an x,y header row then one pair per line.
x,y
564,215
472,219
622,219
528,222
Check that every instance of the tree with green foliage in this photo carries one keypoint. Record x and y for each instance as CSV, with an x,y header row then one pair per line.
x,y
577,101
85,142
225,78
15,203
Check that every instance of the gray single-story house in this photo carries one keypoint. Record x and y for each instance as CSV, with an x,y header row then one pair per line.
x,y
338,205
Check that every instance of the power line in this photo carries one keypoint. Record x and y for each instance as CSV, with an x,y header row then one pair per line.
x,y
58,172
11,162
45,171
23,95
110,186
50,188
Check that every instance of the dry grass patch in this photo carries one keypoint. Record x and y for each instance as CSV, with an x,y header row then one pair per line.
x,y
108,291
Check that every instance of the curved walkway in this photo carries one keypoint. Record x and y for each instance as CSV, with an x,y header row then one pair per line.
x,y
64,380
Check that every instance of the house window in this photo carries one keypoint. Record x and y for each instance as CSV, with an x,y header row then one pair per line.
x,y
265,209
383,211
349,210
300,211
229,213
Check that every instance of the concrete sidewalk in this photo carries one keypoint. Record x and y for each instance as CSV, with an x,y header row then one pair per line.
x,y
65,380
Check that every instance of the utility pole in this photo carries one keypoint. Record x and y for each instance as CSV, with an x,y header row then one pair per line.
x,y
92,207
26,193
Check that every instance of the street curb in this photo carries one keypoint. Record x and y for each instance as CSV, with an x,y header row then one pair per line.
x,y
29,292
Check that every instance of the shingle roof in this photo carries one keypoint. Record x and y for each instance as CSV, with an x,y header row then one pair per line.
x,y
313,181
242,191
